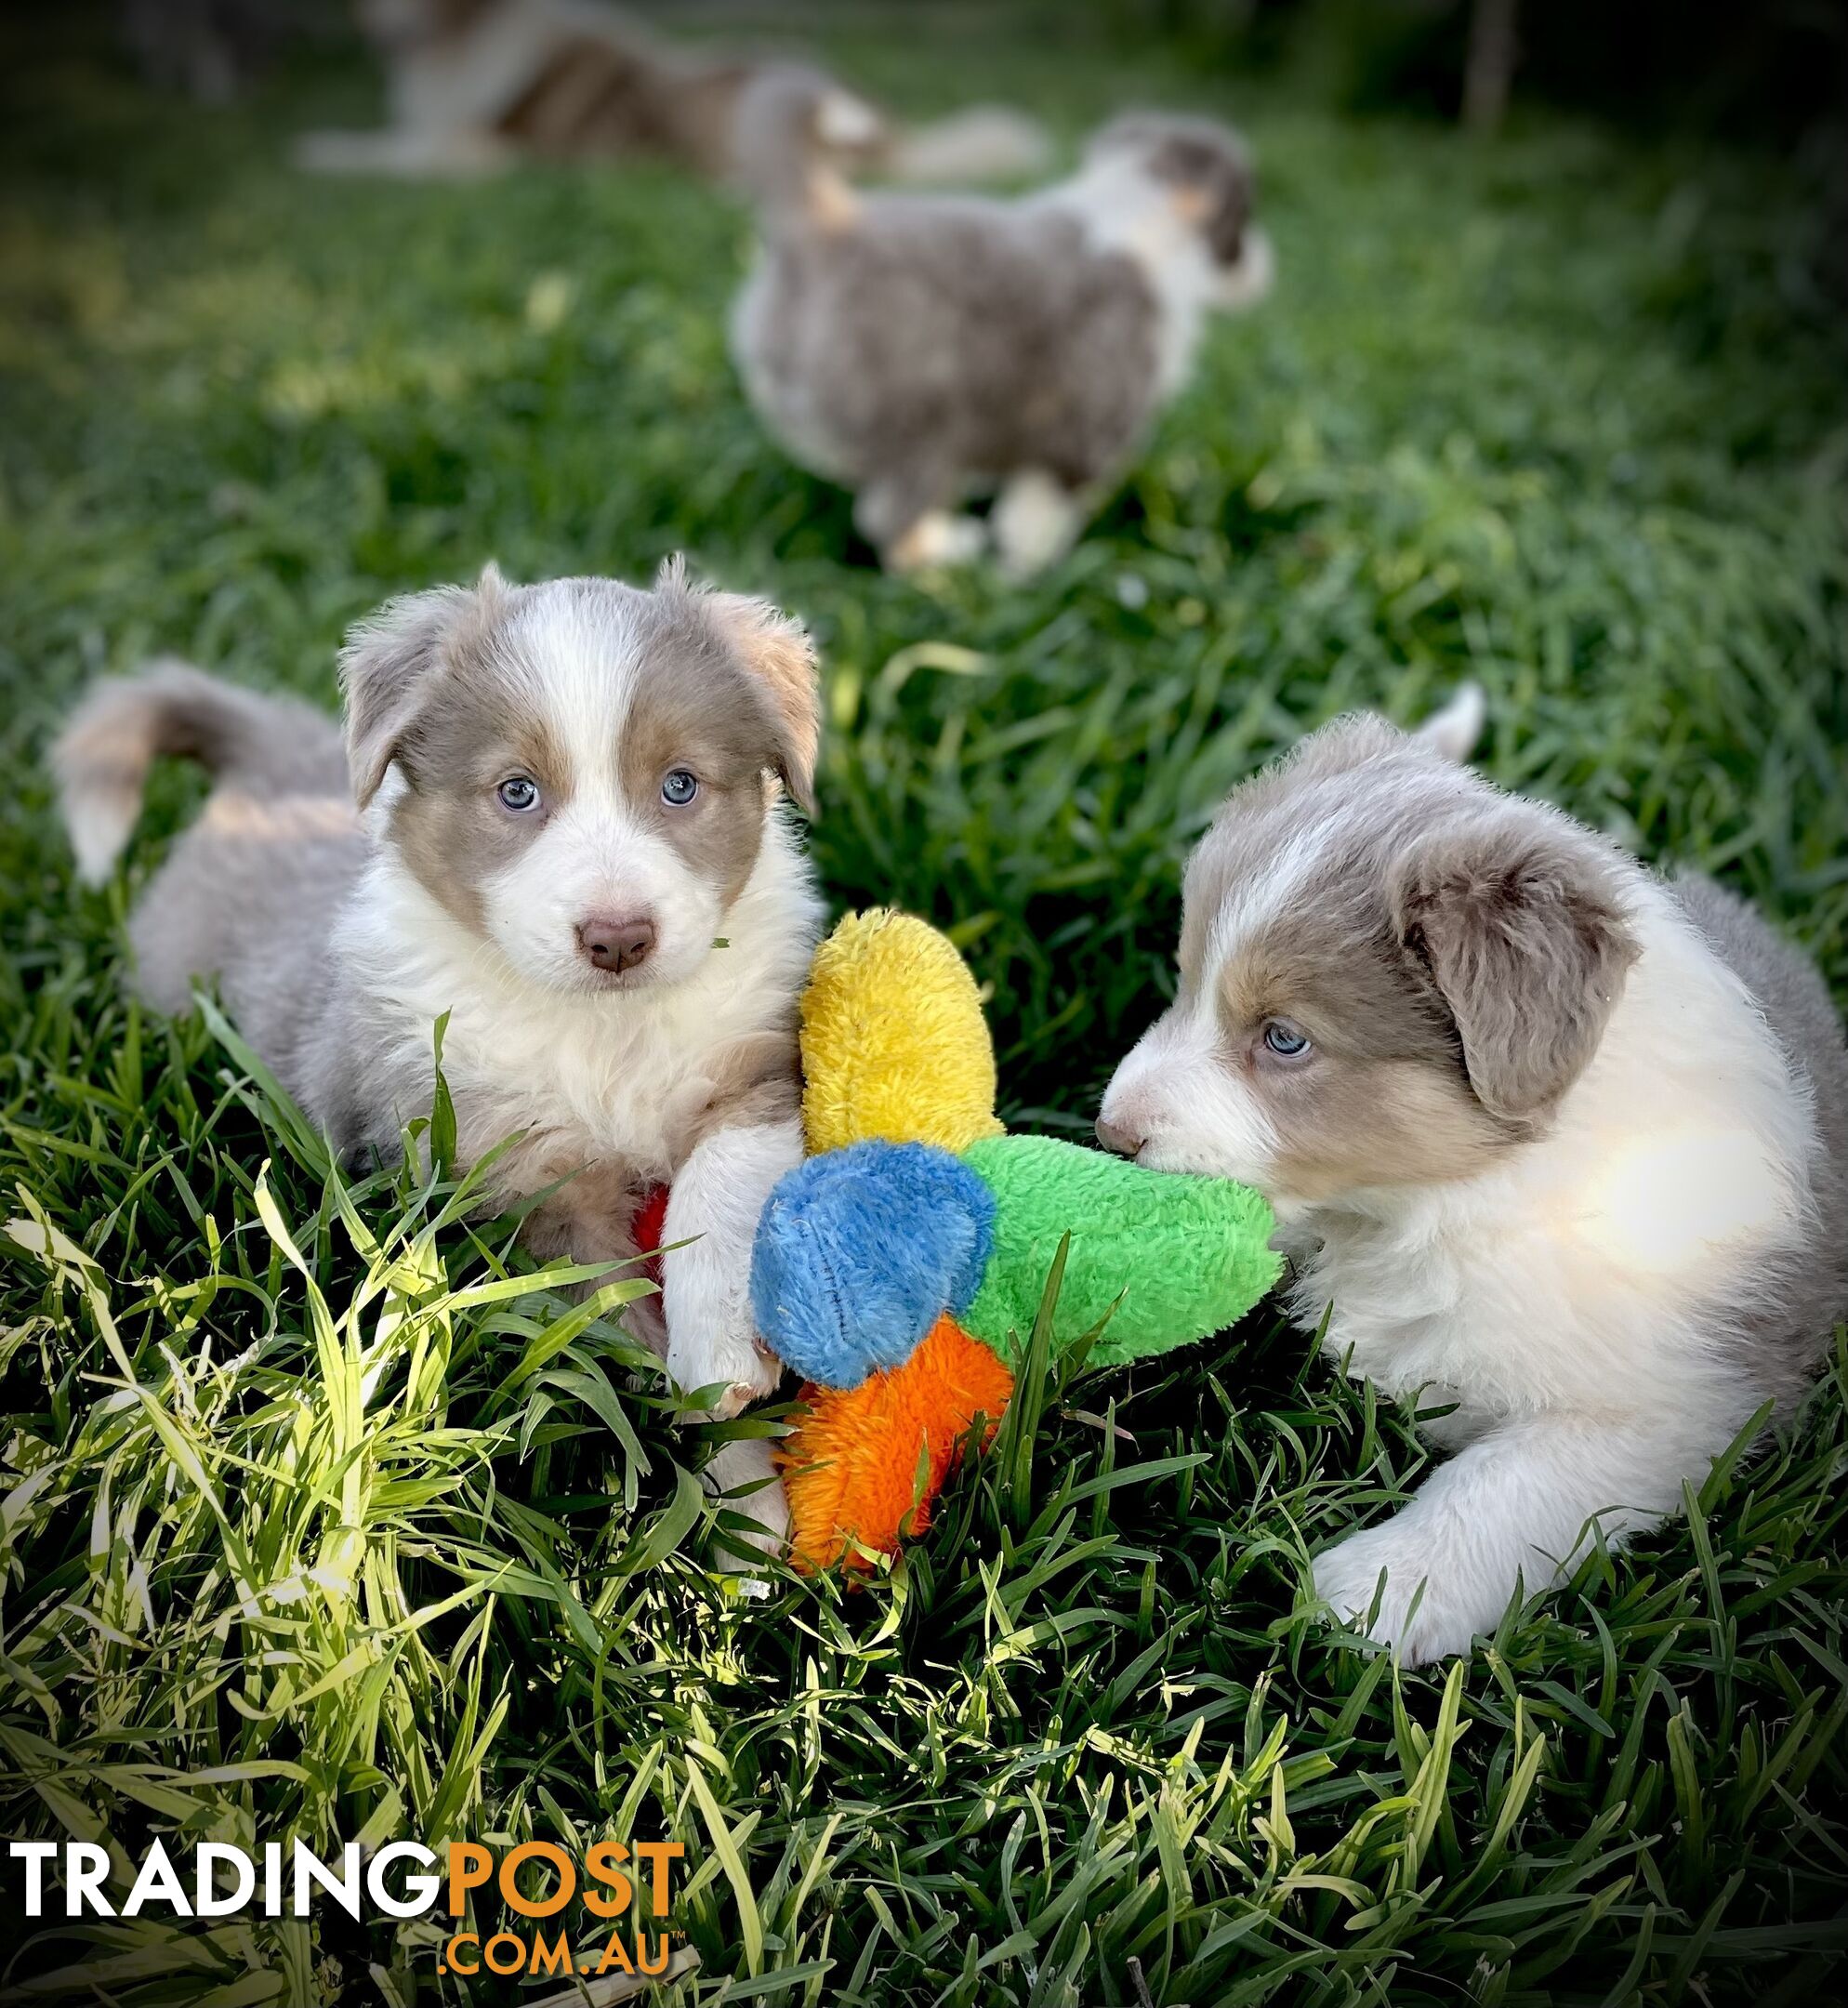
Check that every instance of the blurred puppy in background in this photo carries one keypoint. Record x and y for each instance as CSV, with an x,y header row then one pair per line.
x,y
1565,1145
476,84
920,350
555,816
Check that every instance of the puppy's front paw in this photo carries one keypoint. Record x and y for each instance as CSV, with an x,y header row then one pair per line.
x,y
748,1375
937,538
1347,1576
710,1337
1035,523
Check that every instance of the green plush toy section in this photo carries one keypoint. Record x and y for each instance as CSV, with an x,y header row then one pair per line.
x,y
1188,1256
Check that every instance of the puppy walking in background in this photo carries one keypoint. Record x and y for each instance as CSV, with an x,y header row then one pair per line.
x,y
920,350
555,816
475,85
1564,1144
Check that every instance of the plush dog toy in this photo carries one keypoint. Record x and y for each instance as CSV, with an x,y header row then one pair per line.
x,y
901,1267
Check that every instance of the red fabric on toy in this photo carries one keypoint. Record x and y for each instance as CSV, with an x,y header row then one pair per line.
x,y
649,1225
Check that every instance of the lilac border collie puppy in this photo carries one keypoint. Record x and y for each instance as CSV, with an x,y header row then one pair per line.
x,y
923,349
556,815
1564,1144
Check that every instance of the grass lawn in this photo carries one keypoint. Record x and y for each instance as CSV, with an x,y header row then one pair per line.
x,y
309,1529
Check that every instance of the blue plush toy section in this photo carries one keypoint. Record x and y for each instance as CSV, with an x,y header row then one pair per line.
x,y
860,1250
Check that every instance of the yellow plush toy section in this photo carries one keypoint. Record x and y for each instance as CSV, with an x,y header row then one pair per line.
x,y
895,1044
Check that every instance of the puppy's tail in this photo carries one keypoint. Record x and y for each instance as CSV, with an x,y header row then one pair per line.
x,y
984,143
275,744
1455,730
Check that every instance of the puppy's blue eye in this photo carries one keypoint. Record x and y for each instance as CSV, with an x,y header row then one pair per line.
x,y
680,787
518,794
1284,1039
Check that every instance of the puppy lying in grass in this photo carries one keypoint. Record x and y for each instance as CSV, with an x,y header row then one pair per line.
x,y
1564,1144
920,350
476,85
556,815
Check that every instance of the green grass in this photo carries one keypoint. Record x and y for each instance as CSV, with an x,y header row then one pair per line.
x,y
313,1523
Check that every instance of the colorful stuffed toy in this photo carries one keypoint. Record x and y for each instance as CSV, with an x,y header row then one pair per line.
x,y
900,1269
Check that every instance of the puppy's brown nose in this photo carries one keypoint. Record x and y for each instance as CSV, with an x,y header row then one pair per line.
x,y
1114,1137
616,944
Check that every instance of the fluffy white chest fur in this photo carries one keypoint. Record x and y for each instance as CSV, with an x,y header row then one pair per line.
x,y
1591,1269
585,1077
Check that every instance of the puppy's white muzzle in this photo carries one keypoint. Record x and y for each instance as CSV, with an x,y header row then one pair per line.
x,y
593,866
1179,1102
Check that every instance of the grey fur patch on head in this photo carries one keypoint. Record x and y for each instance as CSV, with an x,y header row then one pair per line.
x,y
458,713
1520,928
1385,1102
387,663
718,717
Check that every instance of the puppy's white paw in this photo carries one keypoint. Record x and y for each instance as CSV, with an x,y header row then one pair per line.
x,y
1035,523
731,1356
744,1476
938,538
1347,1576
710,1337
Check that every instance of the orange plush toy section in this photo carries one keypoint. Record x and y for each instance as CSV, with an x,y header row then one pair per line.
x,y
852,1473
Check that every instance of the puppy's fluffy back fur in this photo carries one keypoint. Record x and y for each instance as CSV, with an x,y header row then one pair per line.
x,y
932,340
1800,1303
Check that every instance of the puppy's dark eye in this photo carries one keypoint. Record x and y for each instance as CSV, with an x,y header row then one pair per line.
x,y
680,787
1284,1041
518,794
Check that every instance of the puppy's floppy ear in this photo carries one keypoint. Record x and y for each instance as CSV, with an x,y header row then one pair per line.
x,y
388,665
775,648
1519,928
